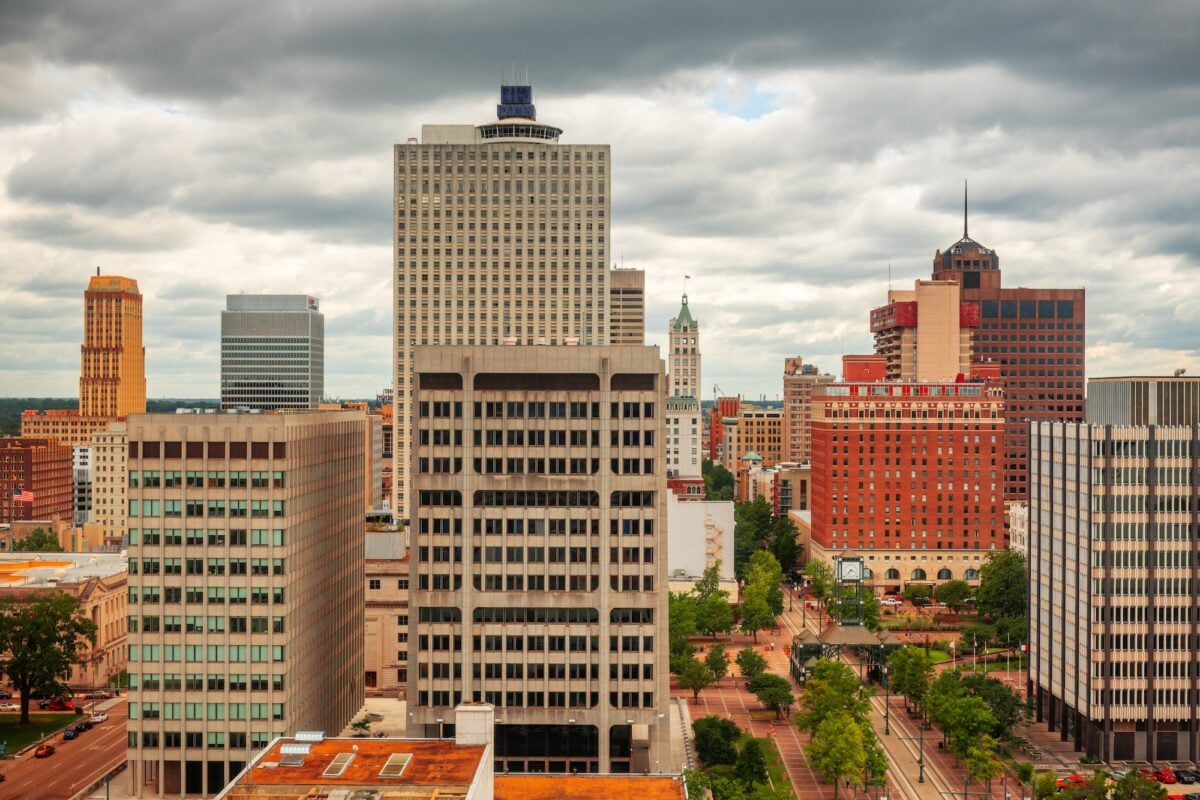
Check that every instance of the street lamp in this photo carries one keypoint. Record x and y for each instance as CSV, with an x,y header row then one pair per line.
x,y
887,702
921,753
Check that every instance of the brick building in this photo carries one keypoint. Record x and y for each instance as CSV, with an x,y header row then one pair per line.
x,y
799,381
42,467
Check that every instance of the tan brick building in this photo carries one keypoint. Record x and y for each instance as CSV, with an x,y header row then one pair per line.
x,y
386,638
627,306
799,380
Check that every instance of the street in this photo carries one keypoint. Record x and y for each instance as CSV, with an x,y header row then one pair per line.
x,y
74,765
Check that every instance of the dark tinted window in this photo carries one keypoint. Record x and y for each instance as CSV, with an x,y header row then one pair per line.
x,y
1008,309
1066,309
990,308
1046,309
970,280
1028,309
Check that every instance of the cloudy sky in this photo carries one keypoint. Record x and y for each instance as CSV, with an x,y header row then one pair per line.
x,y
780,153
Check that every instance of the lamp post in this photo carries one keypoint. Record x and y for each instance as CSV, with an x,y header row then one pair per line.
x,y
974,657
921,752
887,702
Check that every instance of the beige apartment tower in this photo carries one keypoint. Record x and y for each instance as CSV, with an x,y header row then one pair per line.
x,y
246,589
501,236
799,381
538,577
925,333
627,306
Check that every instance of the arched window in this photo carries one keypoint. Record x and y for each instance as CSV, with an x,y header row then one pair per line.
x,y
868,573
971,575
944,574
918,574
892,574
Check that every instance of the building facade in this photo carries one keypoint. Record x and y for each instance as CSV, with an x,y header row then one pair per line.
x,y
538,552
36,479
386,638
112,376
1036,335
81,484
110,483
683,360
899,468
1113,558
272,352
925,334
627,306
1144,401
501,235
683,439
245,588
799,381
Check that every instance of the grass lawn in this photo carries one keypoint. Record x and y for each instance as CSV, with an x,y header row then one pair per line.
x,y
939,656
995,666
775,770
18,736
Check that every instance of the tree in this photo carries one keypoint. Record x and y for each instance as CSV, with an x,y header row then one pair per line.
x,y
752,525
694,675
836,750
41,638
39,540
782,543
754,611
915,593
1003,585
773,691
714,614
1095,788
833,687
945,689
681,624
966,719
750,663
981,761
875,771
714,740
1006,705
718,481
975,637
820,579
764,570
910,670
954,594
1134,787
717,662
1012,630
1045,786
751,764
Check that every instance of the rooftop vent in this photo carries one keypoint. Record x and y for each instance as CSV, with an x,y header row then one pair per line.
x,y
338,765
310,736
293,754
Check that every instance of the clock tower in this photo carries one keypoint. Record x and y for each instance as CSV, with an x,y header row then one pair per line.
x,y
848,571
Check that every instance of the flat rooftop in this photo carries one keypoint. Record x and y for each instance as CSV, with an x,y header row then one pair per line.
x,y
45,570
589,787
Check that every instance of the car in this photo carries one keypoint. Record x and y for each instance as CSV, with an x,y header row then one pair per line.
x,y
891,601
9,707
69,734
1187,776
1165,776
84,725
5,695
922,601
98,694
60,705
1117,774
97,718
44,751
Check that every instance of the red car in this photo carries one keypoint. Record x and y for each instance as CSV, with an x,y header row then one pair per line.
x,y
1071,780
60,705
44,751
1165,776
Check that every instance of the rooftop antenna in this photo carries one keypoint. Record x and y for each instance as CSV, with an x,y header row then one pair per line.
x,y
97,272
964,208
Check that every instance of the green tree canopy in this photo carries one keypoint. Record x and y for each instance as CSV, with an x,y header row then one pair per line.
x,y
752,526
782,543
1006,705
693,674
820,578
751,764
39,540
964,720
1134,787
1003,585
750,663
681,624
915,592
773,691
910,672
41,638
833,687
718,481
714,615
754,612
954,594
763,570
981,759
714,740
717,661
836,750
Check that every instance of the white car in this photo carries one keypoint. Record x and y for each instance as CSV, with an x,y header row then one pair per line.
x,y
9,707
891,601
96,719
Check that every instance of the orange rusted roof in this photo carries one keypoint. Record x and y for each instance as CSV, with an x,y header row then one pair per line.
x,y
432,763
588,787
112,283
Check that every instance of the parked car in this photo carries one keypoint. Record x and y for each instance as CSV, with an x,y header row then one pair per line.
x,y
1187,776
69,734
891,601
97,718
5,695
60,705
9,707
1071,780
98,694
82,726
1117,774
1165,776
44,751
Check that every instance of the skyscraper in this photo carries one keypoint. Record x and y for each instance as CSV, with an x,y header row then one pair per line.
x,y
627,306
683,360
925,333
799,382
112,374
539,552
272,352
501,236
245,588
1037,337
683,405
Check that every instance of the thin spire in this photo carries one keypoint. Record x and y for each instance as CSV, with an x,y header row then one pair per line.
x,y
964,208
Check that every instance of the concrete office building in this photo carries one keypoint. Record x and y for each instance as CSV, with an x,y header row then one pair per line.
x,y
799,381
272,352
81,484
1113,559
538,552
925,333
110,483
501,235
627,306
1035,335
246,589
1144,401
112,375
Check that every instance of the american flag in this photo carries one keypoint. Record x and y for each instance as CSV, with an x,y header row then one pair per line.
x,y
22,495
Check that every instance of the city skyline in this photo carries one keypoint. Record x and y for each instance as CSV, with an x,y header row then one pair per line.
x,y
829,145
